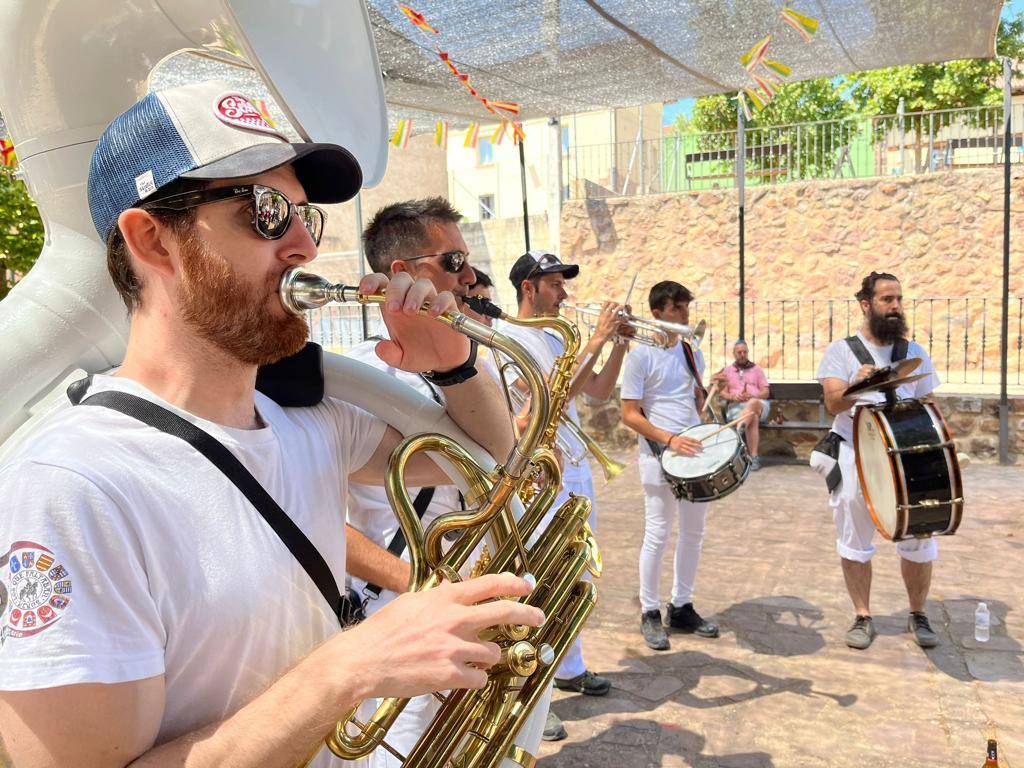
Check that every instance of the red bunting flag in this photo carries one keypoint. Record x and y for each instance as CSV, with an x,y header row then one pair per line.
x,y
416,18
7,156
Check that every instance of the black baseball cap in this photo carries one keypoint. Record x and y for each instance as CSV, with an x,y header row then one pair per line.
x,y
533,263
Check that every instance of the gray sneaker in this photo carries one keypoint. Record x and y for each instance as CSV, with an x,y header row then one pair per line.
x,y
755,463
654,631
918,626
862,633
553,728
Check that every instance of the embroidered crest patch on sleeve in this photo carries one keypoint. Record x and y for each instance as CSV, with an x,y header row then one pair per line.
x,y
38,590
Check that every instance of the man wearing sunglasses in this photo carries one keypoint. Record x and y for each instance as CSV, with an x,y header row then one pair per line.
x,y
155,618
419,238
539,279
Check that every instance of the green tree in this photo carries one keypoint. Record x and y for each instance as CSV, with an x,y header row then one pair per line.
x,y
21,229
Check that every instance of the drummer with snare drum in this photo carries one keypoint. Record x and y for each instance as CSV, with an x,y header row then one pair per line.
x,y
661,396
880,342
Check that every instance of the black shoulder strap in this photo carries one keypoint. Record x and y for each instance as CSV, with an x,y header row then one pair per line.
x,y
899,350
691,363
398,543
859,350
296,541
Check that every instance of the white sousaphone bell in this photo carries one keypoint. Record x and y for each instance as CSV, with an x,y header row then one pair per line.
x,y
70,67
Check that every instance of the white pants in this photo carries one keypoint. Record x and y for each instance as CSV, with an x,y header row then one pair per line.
x,y
854,527
661,510
580,481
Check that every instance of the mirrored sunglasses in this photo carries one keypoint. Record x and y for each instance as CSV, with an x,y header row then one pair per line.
x,y
271,210
453,261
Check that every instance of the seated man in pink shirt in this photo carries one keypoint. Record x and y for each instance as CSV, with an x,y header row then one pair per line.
x,y
745,389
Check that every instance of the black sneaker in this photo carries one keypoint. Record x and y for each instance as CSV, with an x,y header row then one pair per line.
x,y
918,626
553,728
687,620
653,630
587,683
862,633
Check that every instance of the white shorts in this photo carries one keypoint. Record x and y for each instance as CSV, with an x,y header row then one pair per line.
x,y
735,409
854,527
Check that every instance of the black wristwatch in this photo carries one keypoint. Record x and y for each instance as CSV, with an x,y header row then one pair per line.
x,y
464,372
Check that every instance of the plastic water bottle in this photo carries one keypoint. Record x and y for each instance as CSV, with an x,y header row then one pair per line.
x,y
981,623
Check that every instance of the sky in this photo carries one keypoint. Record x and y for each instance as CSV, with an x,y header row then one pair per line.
x,y
685,106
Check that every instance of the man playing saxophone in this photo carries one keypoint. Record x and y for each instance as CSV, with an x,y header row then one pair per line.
x,y
150,616
539,281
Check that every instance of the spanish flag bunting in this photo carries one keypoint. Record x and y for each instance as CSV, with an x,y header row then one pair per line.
x,y
472,134
441,134
7,157
766,87
499,133
506,106
416,18
755,98
805,25
518,134
778,68
746,107
400,138
752,58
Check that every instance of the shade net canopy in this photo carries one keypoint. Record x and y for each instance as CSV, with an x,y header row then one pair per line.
x,y
556,57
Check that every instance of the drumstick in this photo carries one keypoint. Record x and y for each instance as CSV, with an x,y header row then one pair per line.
x,y
711,395
724,427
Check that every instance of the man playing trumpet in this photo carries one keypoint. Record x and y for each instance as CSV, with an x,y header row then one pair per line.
x,y
662,395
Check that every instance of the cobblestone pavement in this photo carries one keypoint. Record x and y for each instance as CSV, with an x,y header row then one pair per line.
x,y
780,688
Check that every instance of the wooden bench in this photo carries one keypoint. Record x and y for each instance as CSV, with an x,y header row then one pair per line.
x,y
807,391
780,151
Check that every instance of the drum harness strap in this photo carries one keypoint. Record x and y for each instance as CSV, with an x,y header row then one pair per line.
x,y
829,445
678,489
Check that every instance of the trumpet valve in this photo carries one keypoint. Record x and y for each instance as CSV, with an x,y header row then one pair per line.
x,y
523,658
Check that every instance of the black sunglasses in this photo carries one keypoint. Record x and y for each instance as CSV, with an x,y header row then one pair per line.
x,y
271,210
453,262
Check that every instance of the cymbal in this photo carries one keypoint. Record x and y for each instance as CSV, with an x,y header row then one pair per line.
x,y
886,385
898,370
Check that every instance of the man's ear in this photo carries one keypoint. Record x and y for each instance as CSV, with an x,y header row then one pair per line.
x,y
150,242
399,266
528,289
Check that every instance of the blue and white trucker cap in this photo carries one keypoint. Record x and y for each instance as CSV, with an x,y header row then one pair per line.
x,y
205,130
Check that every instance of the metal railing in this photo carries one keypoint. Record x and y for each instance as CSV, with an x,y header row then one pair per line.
x,y
787,337
910,143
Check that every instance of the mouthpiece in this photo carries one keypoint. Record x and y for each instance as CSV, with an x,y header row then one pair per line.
x,y
483,306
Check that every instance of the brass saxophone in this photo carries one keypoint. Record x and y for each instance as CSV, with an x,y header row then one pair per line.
x,y
476,728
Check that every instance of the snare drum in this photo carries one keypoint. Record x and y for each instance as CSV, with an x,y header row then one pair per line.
x,y
717,471
908,469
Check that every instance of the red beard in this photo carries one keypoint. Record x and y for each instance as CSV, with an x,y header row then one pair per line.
x,y
231,313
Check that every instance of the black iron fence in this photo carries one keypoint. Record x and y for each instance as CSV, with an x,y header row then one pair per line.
x,y
787,337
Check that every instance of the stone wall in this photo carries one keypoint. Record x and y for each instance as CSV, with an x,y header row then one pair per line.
x,y
941,233
973,421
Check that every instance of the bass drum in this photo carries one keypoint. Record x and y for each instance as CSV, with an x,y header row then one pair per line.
x,y
908,469
714,473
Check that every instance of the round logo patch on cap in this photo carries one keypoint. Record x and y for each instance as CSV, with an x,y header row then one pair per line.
x,y
238,111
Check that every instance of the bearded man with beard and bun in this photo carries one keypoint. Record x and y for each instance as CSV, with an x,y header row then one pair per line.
x,y
157,618
882,339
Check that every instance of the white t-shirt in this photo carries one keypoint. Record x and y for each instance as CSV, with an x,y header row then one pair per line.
x,y
369,511
661,380
839,362
129,555
544,347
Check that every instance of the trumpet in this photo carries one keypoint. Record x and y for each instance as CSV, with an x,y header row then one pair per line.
x,y
649,331
477,728
609,466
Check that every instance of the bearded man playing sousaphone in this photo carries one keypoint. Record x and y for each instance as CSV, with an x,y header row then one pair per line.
x,y
154,617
